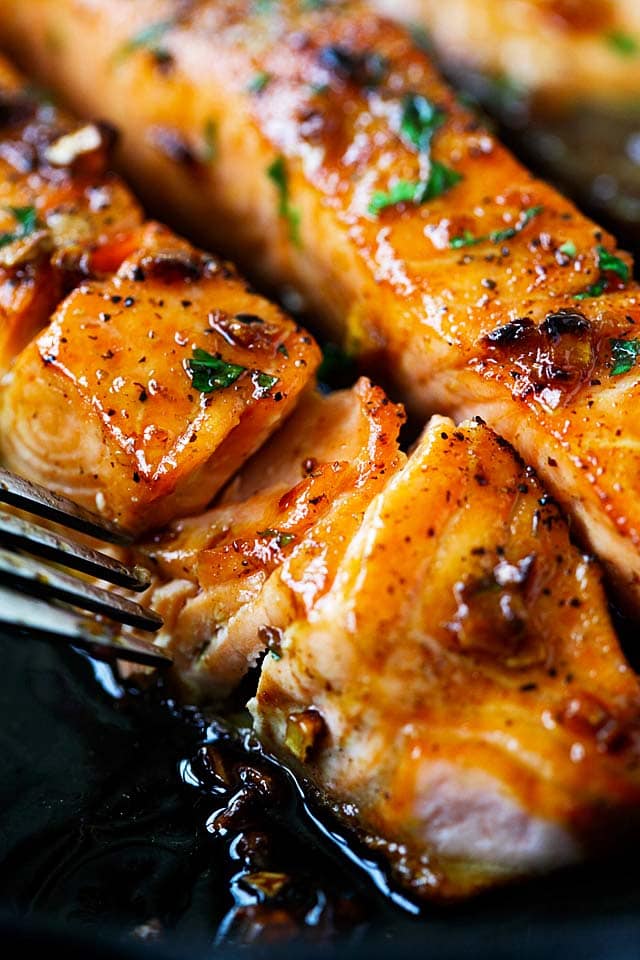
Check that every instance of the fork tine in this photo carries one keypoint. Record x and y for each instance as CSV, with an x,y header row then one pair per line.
x,y
42,581
35,499
22,535
30,618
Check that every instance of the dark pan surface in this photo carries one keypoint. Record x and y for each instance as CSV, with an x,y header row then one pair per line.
x,y
106,795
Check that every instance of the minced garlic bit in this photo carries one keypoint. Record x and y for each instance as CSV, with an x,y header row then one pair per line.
x,y
68,148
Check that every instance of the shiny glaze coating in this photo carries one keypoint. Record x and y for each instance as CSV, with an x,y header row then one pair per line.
x,y
459,691
228,581
312,101
102,405
85,217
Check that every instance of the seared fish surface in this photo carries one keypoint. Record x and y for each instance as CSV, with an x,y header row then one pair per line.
x,y
459,691
157,372
439,657
228,581
63,216
344,167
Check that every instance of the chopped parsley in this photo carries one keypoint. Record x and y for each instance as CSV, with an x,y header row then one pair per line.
x,y
282,539
607,263
27,222
209,372
277,173
440,180
263,382
623,355
149,38
611,264
623,43
258,82
568,248
420,120
468,239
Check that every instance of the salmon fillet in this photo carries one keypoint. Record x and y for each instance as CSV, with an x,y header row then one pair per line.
x,y
560,50
228,581
440,658
62,215
458,692
147,391
341,165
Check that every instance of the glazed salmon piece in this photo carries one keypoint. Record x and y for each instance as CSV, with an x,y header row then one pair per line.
x,y
228,581
459,693
559,50
149,390
321,149
62,215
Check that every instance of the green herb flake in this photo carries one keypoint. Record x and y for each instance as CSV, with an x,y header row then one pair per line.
x,y
468,239
607,263
441,179
27,223
623,355
148,38
263,382
465,239
498,236
259,81
420,120
403,191
277,173
209,373
623,43
569,249
282,539
593,290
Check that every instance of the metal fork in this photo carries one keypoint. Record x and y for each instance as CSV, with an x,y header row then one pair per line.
x,y
38,599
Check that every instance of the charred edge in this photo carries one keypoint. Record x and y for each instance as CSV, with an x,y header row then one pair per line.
x,y
510,332
170,266
564,321
363,69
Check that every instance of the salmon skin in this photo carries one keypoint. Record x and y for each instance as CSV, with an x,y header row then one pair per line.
x,y
458,692
321,149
